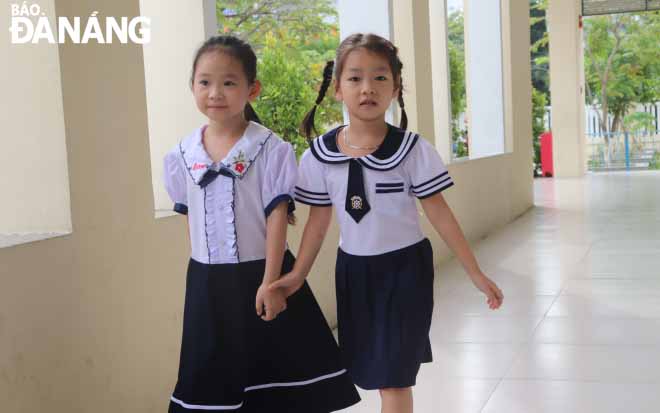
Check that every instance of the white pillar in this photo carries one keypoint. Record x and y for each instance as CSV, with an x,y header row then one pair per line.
x,y
440,78
167,66
567,87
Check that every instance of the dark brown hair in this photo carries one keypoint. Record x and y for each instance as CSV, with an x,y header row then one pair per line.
x,y
237,49
373,43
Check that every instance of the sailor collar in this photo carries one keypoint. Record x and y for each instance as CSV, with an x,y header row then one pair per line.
x,y
235,164
395,147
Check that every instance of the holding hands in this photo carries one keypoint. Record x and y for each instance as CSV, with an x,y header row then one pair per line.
x,y
288,284
269,302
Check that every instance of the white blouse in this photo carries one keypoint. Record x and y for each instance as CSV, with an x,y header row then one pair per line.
x,y
403,168
227,203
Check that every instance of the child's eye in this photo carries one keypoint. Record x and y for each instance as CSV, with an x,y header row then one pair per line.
x,y
353,79
204,82
381,77
229,83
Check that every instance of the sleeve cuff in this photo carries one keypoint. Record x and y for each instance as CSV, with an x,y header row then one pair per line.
x,y
312,198
181,208
432,192
277,200
434,185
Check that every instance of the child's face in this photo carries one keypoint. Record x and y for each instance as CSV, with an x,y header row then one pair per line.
x,y
220,87
366,85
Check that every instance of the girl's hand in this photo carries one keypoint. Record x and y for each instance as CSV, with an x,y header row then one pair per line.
x,y
488,287
288,284
269,303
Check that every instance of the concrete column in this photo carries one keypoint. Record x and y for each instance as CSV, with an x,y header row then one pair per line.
x,y
412,35
567,87
167,65
440,74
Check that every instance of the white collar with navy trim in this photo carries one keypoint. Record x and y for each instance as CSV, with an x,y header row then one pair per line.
x,y
239,159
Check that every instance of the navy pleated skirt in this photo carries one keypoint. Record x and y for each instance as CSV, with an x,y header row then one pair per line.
x,y
385,304
232,360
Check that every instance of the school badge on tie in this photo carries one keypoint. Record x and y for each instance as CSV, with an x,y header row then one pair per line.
x,y
357,205
356,202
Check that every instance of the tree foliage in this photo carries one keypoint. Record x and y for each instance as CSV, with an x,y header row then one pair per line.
x,y
456,53
539,103
540,43
622,64
292,39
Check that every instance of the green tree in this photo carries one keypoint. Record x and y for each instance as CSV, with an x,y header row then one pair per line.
x,y
456,46
621,64
539,103
539,51
253,20
287,95
292,39
456,53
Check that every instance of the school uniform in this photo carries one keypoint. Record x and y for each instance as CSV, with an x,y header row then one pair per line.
x,y
231,359
384,269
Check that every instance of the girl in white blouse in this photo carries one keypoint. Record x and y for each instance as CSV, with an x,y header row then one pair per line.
x,y
234,179
371,172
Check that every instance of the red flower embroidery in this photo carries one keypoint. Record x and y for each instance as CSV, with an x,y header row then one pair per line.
x,y
239,167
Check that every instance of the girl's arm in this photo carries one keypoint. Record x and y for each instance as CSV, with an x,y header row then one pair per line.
x,y
274,301
310,244
442,219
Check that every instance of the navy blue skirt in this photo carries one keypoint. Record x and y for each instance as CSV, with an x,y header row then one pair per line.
x,y
384,308
232,360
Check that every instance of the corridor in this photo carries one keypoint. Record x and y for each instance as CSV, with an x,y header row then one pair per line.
x,y
579,330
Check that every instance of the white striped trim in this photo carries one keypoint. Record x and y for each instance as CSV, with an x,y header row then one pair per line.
x,y
312,198
437,188
296,383
258,387
313,202
430,185
204,407
409,139
325,153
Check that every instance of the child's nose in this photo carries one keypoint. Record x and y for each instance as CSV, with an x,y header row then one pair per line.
x,y
215,92
367,87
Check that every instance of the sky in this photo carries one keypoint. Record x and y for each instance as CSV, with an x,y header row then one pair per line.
x,y
454,5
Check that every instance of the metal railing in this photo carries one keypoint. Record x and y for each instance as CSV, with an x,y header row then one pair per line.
x,y
623,151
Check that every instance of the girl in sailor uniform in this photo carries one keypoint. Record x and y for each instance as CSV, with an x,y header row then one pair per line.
x,y
371,172
245,348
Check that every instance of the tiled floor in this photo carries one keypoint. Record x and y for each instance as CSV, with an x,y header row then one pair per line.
x,y
580,327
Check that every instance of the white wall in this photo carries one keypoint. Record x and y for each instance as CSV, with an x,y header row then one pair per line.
x,y
34,182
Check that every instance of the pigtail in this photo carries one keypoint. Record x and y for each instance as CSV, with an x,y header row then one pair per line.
x,y
307,127
250,114
404,118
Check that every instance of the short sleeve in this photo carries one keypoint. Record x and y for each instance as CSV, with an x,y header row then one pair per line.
x,y
311,188
428,174
279,178
174,177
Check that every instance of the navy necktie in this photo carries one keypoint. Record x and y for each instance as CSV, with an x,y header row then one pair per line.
x,y
357,205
